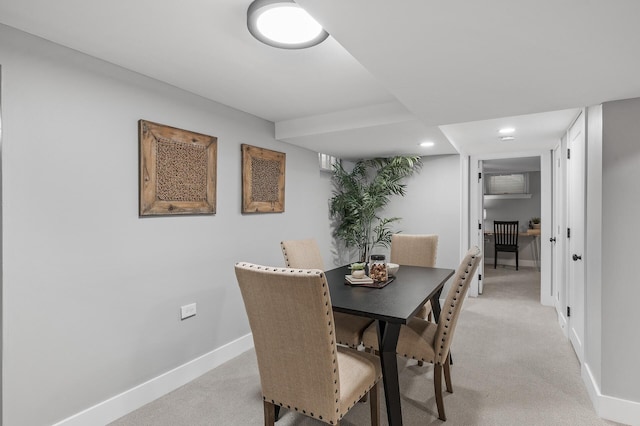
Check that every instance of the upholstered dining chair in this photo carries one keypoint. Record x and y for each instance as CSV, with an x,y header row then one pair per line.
x,y
505,238
306,254
415,250
428,342
300,365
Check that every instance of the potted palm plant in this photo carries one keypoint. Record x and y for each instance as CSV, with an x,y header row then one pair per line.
x,y
359,197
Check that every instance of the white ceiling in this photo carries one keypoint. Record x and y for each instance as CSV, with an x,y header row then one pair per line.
x,y
393,73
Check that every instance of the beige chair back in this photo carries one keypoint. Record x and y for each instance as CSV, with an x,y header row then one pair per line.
x,y
414,250
291,319
306,254
453,304
302,254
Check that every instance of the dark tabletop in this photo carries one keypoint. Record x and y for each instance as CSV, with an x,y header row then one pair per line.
x,y
396,302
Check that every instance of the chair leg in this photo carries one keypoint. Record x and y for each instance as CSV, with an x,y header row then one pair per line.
x,y
429,317
517,260
437,383
375,405
447,373
495,260
269,414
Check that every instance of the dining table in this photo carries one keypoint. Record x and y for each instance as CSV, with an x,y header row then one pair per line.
x,y
390,306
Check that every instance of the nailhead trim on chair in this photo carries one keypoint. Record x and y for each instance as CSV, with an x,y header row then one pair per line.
x,y
463,278
330,330
284,252
333,352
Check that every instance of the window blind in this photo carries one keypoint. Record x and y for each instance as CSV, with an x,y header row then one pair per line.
x,y
514,183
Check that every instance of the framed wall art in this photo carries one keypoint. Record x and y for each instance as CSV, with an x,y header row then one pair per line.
x,y
177,171
263,173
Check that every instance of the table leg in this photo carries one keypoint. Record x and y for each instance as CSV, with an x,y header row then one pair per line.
x,y
387,342
435,305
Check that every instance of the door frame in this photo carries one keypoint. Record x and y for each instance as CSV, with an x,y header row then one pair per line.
x,y
559,252
474,190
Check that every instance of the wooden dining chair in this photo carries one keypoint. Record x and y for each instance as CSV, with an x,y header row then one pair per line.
x,y
505,238
428,342
300,365
415,250
306,254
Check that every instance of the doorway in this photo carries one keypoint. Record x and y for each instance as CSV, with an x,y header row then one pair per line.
x,y
512,192
532,171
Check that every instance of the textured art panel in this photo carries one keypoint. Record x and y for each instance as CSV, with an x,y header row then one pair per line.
x,y
263,173
177,171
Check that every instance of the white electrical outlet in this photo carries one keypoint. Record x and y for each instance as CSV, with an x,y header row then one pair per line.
x,y
187,311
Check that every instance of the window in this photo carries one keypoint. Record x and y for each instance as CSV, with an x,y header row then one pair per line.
x,y
514,183
327,161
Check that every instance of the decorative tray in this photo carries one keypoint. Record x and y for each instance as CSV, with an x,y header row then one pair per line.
x,y
366,282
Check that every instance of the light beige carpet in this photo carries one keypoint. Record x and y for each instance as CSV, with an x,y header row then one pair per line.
x,y
512,366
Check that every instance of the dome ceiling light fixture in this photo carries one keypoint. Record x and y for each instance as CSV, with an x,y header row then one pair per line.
x,y
283,24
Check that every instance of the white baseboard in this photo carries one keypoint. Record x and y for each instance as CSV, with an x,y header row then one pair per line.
x,y
608,407
134,398
562,322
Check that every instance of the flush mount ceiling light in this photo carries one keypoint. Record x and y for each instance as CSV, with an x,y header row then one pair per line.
x,y
506,131
427,144
283,24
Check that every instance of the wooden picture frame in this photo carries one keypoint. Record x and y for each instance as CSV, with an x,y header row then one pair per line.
x,y
177,171
263,177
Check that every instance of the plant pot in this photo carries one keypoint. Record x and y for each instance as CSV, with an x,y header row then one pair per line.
x,y
358,273
536,226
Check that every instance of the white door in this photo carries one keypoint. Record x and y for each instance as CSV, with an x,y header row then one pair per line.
x,y
576,229
558,286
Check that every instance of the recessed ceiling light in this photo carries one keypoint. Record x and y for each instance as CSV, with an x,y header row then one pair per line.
x,y
507,138
427,144
506,130
284,24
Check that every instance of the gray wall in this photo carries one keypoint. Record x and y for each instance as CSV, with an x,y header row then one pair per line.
x,y
620,212
91,292
432,206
